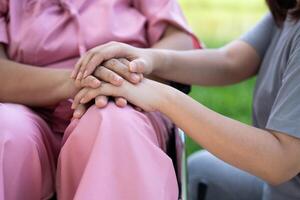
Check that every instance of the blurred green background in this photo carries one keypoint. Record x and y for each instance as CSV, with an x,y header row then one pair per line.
x,y
216,22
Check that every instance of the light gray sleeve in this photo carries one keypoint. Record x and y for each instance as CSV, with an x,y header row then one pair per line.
x,y
260,36
285,113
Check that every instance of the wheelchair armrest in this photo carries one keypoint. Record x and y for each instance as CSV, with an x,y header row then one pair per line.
x,y
176,151
183,167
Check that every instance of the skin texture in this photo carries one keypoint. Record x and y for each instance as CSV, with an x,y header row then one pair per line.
x,y
36,86
270,155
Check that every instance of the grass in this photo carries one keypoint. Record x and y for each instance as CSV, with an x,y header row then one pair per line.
x,y
216,22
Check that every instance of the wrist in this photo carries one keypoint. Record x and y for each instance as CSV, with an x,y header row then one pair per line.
x,y
68,88
167,95
161,61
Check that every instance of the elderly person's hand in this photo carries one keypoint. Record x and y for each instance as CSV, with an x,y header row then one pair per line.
x,y
112,71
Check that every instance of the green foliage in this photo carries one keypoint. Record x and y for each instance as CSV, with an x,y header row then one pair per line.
x,y
216,22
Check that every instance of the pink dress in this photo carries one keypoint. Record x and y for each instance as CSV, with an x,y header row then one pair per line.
x,y
110,153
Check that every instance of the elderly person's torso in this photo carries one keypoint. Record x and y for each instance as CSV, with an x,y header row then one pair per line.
x,y
47,32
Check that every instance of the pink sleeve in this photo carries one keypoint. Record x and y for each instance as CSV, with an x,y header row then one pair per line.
x,y
3,21
159,14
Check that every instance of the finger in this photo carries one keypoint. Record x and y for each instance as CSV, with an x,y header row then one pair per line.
x,y
90,95
127,64
123,70
101,101
85,60
90,67
97,55
124,61
79,111
77,83
91,82
81,66
78,97
76,68
121,102
105,89
108,76
141,76
138,66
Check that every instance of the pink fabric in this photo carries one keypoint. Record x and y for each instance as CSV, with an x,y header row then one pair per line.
x,y
110,153
98,159
119,155
28,154
35,29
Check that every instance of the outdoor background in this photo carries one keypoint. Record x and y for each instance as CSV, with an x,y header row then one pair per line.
x,y
217,22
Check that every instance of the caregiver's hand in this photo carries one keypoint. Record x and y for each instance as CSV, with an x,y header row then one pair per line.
x,y
148,95
141,60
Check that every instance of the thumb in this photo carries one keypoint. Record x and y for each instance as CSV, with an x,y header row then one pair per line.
x,y
138,66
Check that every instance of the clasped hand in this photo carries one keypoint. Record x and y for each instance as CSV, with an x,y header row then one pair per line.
x,y
106,64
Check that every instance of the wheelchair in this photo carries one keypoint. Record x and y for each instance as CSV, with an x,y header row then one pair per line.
x,y
176,150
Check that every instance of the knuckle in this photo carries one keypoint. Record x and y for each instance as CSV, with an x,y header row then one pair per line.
x,y
124,61
126,72
100,69
111,76
86,54
112,63
81,95
88,95
92,51
88,81
98,72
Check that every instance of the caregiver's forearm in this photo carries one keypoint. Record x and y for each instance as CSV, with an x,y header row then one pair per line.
x,y
273,157
33,86
230,64
174,39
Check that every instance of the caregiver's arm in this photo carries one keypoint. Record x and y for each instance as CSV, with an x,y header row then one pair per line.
x,y
273,156
233,63
174,39
32,86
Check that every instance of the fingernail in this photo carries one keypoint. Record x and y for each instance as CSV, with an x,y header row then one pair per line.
x,y
132,67
79,76
76,113
96,82
118,79
135,77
